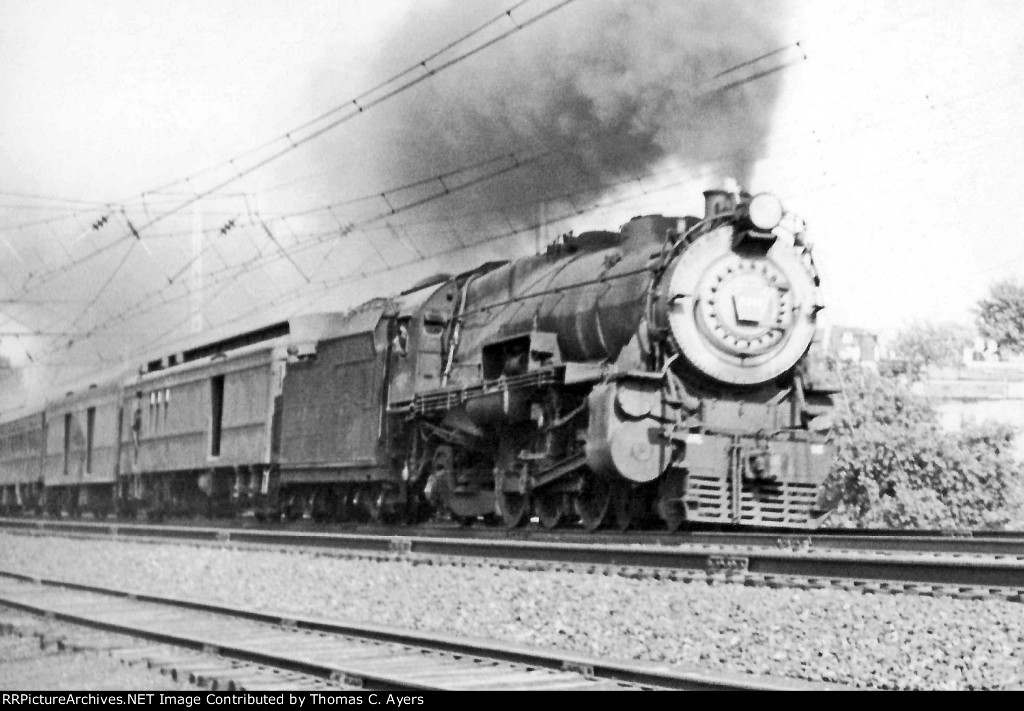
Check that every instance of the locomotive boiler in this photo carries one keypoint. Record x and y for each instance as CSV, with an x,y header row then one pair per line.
x,y
653,374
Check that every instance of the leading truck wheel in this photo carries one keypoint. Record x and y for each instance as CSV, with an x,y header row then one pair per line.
x,y
513,506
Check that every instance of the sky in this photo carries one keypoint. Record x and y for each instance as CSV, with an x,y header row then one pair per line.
x,y
162,184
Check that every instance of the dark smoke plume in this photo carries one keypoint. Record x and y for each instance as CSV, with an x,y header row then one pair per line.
x,y
617,87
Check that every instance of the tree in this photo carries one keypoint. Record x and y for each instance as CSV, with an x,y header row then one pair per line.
x,y
895,467
923,344
1001,315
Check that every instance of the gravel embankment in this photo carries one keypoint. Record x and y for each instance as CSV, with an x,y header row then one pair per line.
x,y
881,641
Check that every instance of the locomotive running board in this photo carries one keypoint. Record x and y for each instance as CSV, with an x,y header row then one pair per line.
x,y
568,373
449,398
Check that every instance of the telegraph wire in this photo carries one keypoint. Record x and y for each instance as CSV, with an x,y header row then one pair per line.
x,y
360,104
229,271
513,158
42,280
510,224
352,108
577,211
296,293
392,210
50,198
104,286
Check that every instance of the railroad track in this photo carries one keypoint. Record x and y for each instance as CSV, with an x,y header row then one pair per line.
x,y
954,573
952,542
244,649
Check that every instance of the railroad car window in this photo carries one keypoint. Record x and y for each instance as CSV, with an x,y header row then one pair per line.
x,y
216,413
400,343
90,428
67,442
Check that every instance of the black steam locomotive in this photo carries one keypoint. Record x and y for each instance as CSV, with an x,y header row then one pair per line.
x,y
618,378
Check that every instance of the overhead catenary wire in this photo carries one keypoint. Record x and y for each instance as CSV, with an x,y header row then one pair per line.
x,y
389,195
361,103
446,191
396,210
312,245
105,285
296,294
498,236
41,280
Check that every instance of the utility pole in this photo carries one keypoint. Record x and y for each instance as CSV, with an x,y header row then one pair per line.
x,y
196,270
541,226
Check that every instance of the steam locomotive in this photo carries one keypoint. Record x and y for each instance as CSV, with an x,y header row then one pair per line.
x,y
654,374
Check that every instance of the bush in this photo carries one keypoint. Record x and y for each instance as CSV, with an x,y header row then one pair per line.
x,y
928,344
896,468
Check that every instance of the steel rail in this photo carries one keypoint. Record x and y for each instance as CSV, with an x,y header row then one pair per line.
x,y
1002,572
415,661
951,541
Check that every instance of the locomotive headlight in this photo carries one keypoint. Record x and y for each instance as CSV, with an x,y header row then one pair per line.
x,y
764,211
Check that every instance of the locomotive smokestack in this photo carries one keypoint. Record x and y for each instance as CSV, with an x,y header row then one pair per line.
x,y
717,202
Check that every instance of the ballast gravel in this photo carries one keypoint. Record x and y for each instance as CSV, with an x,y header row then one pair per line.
x,y
30,660
881,641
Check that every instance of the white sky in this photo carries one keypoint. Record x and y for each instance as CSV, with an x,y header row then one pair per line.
x,y
905,154
898,140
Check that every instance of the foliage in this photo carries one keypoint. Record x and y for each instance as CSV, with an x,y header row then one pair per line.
x,y
1001,315
925,344
897,468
